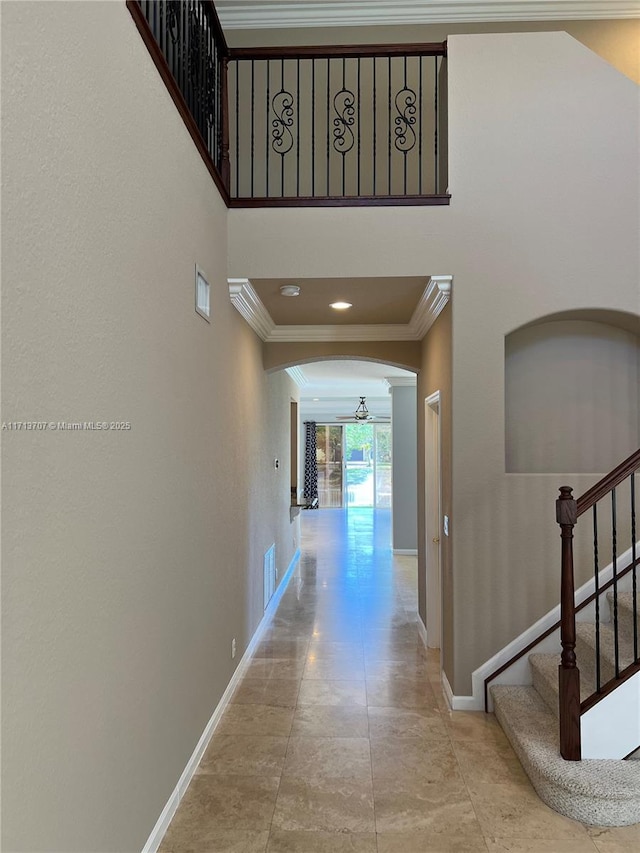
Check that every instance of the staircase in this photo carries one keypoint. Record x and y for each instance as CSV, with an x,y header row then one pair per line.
x,y
576,726
602,792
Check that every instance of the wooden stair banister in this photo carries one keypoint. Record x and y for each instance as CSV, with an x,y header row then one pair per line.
x,y
604,486
568,672
568,511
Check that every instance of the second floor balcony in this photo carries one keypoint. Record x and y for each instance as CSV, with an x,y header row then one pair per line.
x,y
343,125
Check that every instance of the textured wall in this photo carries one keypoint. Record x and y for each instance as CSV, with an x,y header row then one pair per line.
x,y
586,372
130,558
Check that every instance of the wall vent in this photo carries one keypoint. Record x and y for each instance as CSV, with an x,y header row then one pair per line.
x,y
269,574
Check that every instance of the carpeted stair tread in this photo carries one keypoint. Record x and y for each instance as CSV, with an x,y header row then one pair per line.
x,y
586,647
625,613
600,792
544,671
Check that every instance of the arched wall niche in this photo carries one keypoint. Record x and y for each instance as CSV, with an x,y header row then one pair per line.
x,y
572,393
618,319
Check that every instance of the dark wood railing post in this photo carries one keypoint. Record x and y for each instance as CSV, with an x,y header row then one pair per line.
x,y
225,169
568,672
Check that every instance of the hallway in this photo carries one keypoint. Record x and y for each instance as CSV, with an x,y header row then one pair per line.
x,y
339,737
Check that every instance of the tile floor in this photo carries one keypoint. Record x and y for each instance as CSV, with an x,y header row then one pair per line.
x,y
339,739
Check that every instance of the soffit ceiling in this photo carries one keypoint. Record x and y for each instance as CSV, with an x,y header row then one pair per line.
x,y
258,14
374,300
383,309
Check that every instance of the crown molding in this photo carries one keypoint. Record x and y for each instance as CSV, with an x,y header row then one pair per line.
x,y
269,14
432,301
297,374
248,303
400,382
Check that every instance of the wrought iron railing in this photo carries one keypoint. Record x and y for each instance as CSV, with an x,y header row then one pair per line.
x,y
356,124
605,500
351,124
185,40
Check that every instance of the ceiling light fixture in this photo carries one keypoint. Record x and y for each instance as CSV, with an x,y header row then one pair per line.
x,y
361,413
289,290
340,306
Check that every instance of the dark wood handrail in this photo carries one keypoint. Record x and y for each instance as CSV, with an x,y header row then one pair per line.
x,y
604,486
433,200
343,51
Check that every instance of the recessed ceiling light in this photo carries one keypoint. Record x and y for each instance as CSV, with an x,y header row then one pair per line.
x,y
340,306
289,290
316,399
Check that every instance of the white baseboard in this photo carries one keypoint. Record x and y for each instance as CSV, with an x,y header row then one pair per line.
x,y
159,830
457,703
446,689
405,552
422,631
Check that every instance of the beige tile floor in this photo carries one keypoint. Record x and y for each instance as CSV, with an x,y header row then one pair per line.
x,y
339,738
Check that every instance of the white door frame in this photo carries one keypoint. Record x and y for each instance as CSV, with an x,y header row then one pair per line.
x,y
433,519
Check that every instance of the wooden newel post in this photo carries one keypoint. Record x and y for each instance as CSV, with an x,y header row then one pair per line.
x,y
568,672
225,169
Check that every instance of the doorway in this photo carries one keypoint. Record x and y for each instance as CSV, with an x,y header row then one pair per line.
x,y
354,465
433,516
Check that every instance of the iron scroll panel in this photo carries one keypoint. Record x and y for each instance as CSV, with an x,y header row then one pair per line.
x,y
307,126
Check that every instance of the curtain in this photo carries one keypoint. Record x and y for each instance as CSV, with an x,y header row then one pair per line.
x,y
310,492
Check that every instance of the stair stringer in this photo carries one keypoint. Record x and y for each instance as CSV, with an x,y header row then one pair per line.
x,y
611,728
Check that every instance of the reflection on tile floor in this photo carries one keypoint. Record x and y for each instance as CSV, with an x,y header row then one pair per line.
x,y
339,738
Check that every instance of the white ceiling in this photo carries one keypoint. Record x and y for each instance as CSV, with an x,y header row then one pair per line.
x,y
258,14
339,384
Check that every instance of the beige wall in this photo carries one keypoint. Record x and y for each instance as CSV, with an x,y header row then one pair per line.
x,y
399,353
435,375
616,41
535,227
552,220
586,372
129,559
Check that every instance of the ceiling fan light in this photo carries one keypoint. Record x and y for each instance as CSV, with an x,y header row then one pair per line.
x,y
361,413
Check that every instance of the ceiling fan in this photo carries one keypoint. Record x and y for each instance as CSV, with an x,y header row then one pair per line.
x,y
362,414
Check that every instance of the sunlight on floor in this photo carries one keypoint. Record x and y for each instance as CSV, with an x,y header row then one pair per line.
x,y
339,738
